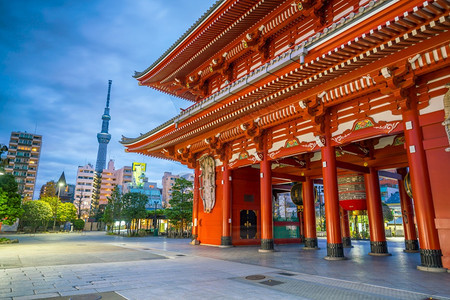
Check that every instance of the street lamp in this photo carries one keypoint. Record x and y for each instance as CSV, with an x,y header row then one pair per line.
x,y
155,232
60,184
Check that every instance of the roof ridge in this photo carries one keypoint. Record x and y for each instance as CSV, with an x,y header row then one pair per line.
x,y
178,41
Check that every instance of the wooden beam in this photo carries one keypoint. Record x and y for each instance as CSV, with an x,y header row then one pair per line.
x,y
292,178
292,162
282,187
390,175
352,167
355,150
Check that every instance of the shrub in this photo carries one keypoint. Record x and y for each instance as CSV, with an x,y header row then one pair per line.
x,y
78,224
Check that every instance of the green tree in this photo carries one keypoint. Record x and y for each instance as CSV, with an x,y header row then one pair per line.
x,y
387,213
134,207
180,211
113,210
10,200
66,212
78,224
54,203
36,213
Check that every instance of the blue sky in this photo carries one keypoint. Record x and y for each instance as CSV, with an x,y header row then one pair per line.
x,y
57,58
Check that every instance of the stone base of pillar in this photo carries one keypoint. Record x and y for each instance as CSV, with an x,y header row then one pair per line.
x,y
431,260
302,237
347,242
311,244
411,246
266,245
379,249
194,240
225,241
335,252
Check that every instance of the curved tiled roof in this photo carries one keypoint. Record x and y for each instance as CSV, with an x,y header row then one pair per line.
x,y
186,34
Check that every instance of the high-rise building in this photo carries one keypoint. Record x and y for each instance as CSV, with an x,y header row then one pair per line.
x,y
168,180
23,155
112,178
84,189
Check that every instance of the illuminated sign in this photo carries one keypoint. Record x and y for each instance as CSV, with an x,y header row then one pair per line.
x,y
138,173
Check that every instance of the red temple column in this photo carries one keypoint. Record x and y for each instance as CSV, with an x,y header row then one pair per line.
x,y
226,206
411,243
195,206
430,249
301,224
335,250
378,245
309,215
346,240
266,204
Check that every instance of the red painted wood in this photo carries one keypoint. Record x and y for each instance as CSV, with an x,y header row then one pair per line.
x,y
407,209
345,228
226,202
423,202
309,212
374,207
195,203
331,191
266,198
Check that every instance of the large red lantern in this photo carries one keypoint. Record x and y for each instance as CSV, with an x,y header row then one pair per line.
x,y
352,192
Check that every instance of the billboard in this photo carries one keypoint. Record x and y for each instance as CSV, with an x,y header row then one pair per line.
x,y
139,173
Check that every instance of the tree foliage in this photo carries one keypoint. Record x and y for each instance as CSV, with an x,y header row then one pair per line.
x,y
63,211
54,203
180,211
134,207
66,212
37,213
78,224
10,200
113,210
387,213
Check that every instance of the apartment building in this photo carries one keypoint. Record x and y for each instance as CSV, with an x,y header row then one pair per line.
x,y
23,155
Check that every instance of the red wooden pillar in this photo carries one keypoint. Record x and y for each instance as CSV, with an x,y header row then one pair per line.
x,y
226,206
346,240
301,224
411,243
195,206
430,249
378,245
335,250
266,204
309,215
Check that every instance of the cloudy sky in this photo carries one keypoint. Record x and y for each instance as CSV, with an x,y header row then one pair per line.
x,y
57,57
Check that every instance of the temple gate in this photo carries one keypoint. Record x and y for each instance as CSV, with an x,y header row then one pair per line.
x,y
304,91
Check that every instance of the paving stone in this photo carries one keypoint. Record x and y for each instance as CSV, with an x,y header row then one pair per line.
x,y
40,296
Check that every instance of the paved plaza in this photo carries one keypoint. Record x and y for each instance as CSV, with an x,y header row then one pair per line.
x,y
93,265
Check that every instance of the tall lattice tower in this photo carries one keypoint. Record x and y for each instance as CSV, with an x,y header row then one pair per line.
x,y
103,137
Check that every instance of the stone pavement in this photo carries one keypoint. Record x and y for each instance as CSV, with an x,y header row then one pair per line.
x,y
87,266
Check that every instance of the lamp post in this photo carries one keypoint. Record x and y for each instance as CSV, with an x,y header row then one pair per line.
x,y
155,230
60,184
